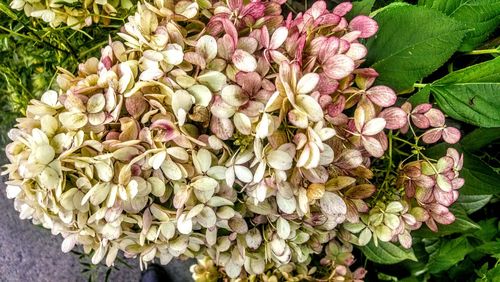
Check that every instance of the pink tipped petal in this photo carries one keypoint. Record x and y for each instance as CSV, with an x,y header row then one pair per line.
x,y
436,117
432,136
357,51
425,181
317,9
326,85
344,46
307,83
431,224
222,127
444,164
382,95
342,9
243,61
366,25
451,135
445,218
328,19
338,66
351,36
395,118
420,121
443,183
457,183
444,198
372,146
374,126
422,108
278,38
264,37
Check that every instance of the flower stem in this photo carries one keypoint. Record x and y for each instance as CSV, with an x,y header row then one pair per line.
x,y
419,85
483,52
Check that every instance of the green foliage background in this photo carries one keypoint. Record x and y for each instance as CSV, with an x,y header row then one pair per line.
x,y
440,51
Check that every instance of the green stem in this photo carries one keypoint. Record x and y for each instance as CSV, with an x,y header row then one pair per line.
x,y
419,85
483,52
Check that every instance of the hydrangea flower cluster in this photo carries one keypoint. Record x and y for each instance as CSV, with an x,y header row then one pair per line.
x,y
76,14
225,132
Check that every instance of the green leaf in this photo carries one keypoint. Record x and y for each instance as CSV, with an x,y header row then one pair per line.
x,y
472,203
412,42
421,97
480,179
479,138
461,224
363,7
449,253
488,231
387,253
481,17
471,94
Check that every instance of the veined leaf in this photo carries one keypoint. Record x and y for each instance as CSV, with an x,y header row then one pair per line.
x,y
472,203
362,7
387,253
412,42
479,138
449,253
481,17
471,94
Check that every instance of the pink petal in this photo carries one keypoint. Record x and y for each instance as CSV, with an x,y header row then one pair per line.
x,y
444,164
382,95
422,108
278,38
328,47
342,9
374,126
254,9
222,127
443,183
244,61
326,85
366,25
338,66
420,121
328,19
451,135
395,117
250,82
357,51
444,198
317,9
225,47
372,146
457,183
336,108
432,136
425,181
436,117
445,218
264,37
431,224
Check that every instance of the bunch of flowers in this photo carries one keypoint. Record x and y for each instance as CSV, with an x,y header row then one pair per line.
x,y
225,132
76,14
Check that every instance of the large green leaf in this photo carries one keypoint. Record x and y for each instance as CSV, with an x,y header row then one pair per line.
x,y
471,95
412,42
472,203
479,138
387,253
482,17
448,254
480,179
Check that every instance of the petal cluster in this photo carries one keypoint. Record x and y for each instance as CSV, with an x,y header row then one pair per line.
x,y
223,130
